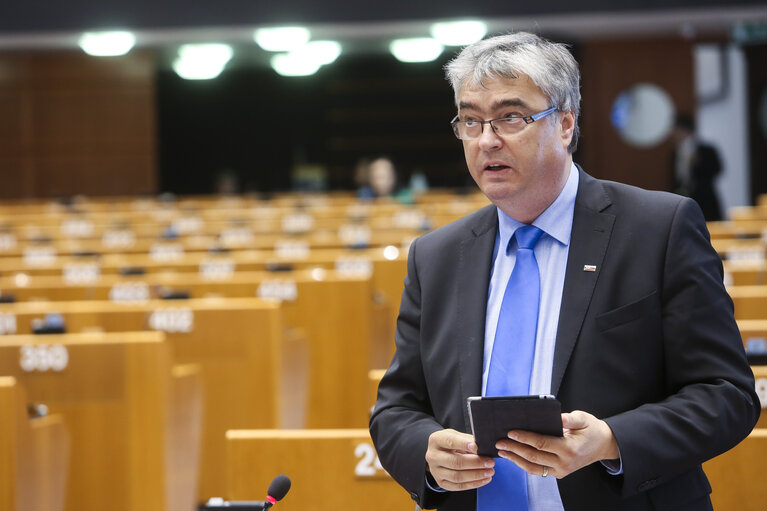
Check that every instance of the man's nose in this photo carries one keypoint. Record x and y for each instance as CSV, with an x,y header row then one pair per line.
x,y
489,139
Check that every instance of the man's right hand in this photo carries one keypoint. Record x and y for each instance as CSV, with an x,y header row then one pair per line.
x,y
454,463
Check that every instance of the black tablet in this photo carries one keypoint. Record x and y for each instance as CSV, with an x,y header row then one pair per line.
x,y
493,417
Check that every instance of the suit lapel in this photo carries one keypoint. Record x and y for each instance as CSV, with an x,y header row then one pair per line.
x,y
474,264
588,243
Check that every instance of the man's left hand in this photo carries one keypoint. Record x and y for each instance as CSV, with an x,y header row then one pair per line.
x,y
586,440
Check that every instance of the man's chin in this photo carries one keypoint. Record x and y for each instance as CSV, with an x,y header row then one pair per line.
x,y
497,191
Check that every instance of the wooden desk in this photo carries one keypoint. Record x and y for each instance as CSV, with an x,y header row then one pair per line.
x,y
49,251
234,342
736,476
193,213
374,379
335,314
750,301
34,454
184,440
116,394
726,229
747,273
329,469
333,310
386,266
749,215
760,377
752,328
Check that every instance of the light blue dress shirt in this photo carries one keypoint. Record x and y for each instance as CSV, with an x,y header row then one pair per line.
x,y
551,253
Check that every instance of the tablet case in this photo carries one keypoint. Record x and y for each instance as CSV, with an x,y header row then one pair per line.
x,y
493,417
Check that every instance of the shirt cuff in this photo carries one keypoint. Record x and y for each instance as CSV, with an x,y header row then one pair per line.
x,y
614,467
432,484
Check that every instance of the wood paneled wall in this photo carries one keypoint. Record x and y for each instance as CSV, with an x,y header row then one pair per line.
x,y
608,68
74,124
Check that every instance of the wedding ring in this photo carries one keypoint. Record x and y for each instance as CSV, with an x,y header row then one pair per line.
x,y
545,471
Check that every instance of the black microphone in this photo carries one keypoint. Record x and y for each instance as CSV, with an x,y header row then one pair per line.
x,y
277,490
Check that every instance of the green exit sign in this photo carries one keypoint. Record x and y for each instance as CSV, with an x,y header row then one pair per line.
x,y
749,33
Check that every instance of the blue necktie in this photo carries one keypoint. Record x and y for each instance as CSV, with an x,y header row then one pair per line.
x,y
512,363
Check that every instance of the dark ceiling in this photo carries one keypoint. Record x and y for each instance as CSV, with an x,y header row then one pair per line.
x,y
66,15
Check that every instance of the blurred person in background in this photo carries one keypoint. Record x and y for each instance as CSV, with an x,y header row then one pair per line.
x,y
696,167
382,181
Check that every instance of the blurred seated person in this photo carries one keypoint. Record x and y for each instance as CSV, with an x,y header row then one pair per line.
x,y
696,166
382,182
227,182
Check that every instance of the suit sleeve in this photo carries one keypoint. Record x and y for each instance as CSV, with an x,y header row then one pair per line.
x,y
711,403
402,420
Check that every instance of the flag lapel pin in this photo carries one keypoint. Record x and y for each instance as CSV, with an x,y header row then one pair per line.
x,y
589,267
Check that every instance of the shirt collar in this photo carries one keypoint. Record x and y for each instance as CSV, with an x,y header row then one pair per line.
x,y
556,220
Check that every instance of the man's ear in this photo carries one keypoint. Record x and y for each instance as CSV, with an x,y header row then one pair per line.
x,y
566,127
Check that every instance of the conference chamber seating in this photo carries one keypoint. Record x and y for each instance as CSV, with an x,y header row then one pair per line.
x,y
272,321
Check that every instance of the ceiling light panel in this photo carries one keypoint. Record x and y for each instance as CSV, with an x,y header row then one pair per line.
x,y
458,33
202,61
416,49
107,44
292,64
281,38
324,52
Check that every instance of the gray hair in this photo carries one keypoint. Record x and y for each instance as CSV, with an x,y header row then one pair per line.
x,y
549,65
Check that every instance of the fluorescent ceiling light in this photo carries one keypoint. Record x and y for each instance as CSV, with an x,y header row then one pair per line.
x,y
458,33
417,49
206,52
281,38
107,44
190,70
307,59
202,61
291,64
323,52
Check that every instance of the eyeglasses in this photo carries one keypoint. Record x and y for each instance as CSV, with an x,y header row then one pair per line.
x,y
472,130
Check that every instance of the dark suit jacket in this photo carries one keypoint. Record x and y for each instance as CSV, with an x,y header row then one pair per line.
x,y
647,342
705,166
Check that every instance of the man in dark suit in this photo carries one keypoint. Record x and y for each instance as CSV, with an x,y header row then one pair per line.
x,y
696,167
634,331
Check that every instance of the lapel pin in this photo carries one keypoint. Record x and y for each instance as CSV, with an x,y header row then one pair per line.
x,y
589,267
